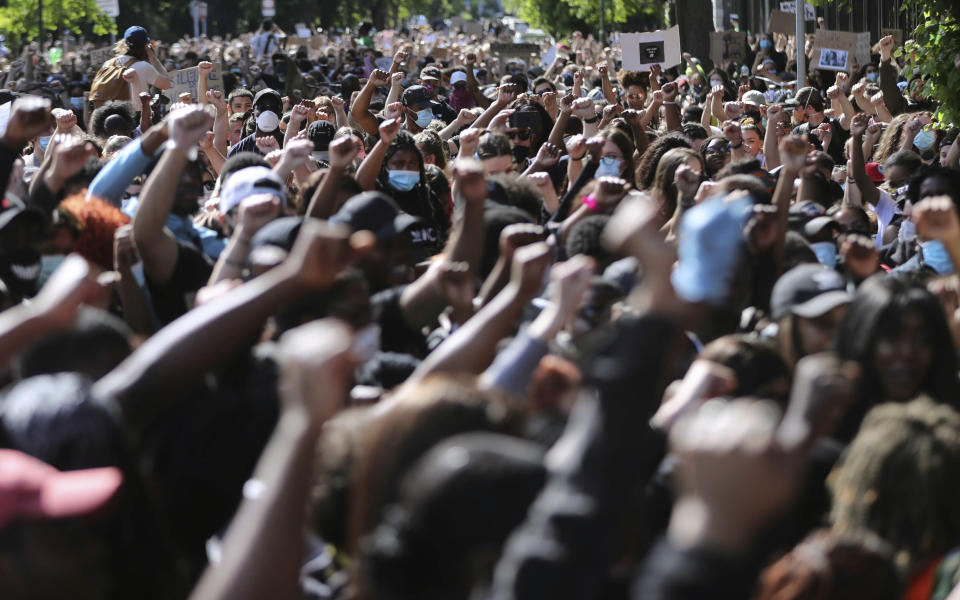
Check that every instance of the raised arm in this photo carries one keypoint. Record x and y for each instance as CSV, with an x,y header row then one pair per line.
x,y
157,246
115,176
342,152
360,109
203,339
263,549
370,167
868,191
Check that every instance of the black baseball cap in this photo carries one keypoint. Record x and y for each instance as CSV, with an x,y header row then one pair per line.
x,y
430,73
268,92
415,95
12,209
808,291
375,212
321,134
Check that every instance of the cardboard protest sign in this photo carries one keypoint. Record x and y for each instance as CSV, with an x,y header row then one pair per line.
x,y
862,49
782,22
473,28
643,50
836,50
896,33
728,46
809,12
99,56
295,41
185,80
528,53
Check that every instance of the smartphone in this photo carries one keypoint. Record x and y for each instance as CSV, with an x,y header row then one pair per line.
x,y
524,120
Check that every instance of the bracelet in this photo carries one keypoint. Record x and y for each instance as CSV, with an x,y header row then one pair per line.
x,y
665,103
595,118
590,202
732,147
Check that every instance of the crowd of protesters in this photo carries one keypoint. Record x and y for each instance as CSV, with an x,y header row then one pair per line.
x,y
389,315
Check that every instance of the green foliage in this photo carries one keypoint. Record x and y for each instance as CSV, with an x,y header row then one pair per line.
x,y
935,44
931,49
561,17
19,17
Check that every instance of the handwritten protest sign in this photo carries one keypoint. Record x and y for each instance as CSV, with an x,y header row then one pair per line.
x,y
728,46
809,13
528,53
643,50
782,22
100,56
185,80
295,41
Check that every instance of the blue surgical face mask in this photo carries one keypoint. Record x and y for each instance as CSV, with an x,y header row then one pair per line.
x,y
924,140
424,117
43,140
76,102
873,76
935,256
609,167
826,253
403,181
765,43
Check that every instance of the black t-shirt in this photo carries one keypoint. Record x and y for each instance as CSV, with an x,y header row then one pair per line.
x,y
837,140
189,275
396,335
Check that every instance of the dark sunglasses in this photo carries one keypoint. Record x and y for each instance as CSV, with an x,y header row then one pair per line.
x,y
522,134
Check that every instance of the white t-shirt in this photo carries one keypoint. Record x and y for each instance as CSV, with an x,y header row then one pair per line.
x,y
886,209
148,75
265,44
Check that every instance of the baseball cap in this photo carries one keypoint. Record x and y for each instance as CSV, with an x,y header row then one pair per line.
x,y
247,182
814,226
875,172
321,134
267,93
430,73
30,488
375,212
808,291
415,95
754,98
280,232
458,77
136,36
802,212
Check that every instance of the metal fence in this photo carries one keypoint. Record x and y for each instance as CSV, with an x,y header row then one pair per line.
x,y
863,15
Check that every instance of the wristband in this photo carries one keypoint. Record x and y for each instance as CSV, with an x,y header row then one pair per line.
x,y
665,103
590,202
595,118
737,146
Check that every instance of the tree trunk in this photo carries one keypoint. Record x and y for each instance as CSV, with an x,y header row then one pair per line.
x,y
695,18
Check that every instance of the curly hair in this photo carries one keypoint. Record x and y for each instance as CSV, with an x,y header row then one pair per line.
x,y
113,107
655,151
890,140
898,479
99,222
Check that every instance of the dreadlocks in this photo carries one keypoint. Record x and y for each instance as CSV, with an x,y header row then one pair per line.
x,y
898,479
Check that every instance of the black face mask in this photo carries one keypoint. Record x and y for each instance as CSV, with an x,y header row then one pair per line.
x,y
20,270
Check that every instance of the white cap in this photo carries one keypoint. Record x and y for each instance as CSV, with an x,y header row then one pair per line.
x,y
268,121
248,182
457,77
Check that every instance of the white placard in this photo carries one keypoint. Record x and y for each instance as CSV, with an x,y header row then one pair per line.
x,y
110,7
809,12
643,50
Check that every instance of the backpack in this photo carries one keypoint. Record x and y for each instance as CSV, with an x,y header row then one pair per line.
x,y
108,84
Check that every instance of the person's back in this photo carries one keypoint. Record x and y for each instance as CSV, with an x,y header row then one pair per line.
x,y
115,81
